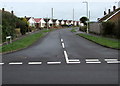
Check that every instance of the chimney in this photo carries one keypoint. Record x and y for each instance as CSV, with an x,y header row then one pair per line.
x,y
114,8
108,11
12,12
3,9
105,13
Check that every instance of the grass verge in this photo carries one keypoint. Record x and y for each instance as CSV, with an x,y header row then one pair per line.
x,y
23,42
102,41
73,30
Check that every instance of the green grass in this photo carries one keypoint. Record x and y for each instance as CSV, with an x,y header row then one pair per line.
x,y
73,30
102,41
23,42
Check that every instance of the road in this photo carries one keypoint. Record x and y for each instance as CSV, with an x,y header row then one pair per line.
x,y
61,57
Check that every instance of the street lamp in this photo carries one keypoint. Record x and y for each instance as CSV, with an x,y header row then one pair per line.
x,y
86,13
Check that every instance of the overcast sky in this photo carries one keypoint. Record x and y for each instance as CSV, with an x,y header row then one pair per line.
x,y
63,9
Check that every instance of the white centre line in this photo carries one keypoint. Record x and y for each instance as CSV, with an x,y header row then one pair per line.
x,y
93,62
73,62
63,45
15,63
53,62
61,40
32,63
66,56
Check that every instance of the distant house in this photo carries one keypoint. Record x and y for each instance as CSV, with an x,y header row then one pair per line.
x,y
31,21
70,22
49,22
111,16
39,22
61,22
66,22
78,23
56,22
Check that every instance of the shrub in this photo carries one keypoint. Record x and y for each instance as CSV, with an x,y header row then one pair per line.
x,y
108,28
83,28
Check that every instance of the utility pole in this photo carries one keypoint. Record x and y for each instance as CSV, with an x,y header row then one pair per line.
x,y
87,14
52,16
73,16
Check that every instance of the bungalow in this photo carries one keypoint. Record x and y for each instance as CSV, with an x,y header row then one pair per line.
x,y
39,22
61,22
31,21
66,22
49,22
70,22
56,22
111,16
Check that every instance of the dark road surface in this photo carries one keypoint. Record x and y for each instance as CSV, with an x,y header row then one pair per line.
x,y
54,68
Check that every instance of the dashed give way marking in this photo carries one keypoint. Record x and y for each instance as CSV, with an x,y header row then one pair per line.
x,y
53,62
32,63
15,63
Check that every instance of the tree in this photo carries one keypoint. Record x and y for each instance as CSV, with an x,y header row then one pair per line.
x,y
83,20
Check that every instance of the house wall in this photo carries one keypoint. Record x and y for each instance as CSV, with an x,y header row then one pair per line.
x,y
31,22
95,27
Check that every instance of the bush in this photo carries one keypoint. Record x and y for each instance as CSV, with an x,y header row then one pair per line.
x,y
108,28
83,28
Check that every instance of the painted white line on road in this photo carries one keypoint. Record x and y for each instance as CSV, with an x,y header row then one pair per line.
x,y
113,62
32,63
61,40
74,60
53,62
63,45
66,56
111,59
93,62
1,63
15,63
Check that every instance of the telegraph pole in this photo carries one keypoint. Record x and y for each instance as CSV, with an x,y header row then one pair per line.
x,y
52,16
73,16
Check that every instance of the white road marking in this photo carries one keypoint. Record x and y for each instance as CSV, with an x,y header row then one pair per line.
x,y
63,45
72,60
91,60
113,62
68,60
111,59
53,62
66,56
32,63
61,40
1,63
15,63
94,62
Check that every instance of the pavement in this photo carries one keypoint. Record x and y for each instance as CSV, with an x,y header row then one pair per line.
x,y
61,57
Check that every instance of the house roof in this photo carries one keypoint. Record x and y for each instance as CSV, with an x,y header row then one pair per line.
x,y
27,18
106,17
37,20
46,19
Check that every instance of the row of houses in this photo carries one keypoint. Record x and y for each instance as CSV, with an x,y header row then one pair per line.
x,y
48,23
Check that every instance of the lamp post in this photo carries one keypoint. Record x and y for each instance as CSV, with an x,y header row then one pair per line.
x,y
87,14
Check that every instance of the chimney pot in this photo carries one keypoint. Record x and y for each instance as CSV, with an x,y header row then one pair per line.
x,y
12,12
3,9
108,11
105,13
114,8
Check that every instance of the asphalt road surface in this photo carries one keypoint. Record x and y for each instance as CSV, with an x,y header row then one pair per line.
x,y
61,57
